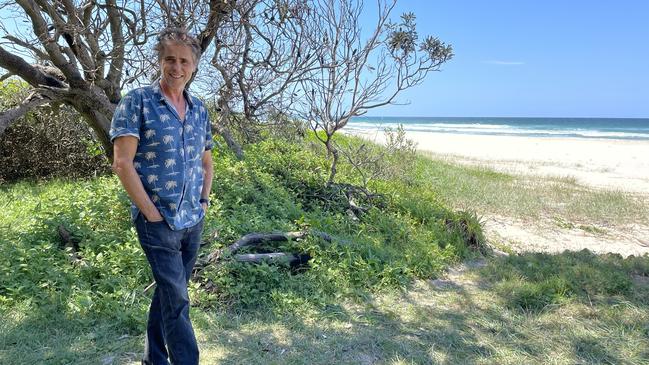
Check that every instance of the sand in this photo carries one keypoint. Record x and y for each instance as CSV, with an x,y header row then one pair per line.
x,y
602,163
620,165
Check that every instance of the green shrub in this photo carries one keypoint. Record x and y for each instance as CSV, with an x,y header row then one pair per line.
x,y
47,142
275,189
272,190
104,283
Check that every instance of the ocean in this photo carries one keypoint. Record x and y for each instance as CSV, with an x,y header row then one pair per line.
x,y
608,128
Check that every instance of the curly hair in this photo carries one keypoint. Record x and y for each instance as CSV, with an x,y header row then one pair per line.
x,y
177,35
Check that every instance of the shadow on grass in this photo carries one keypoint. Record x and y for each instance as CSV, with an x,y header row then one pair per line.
x,y
46,333
533,281
347,336
591,320
402,330
473,321
62,313
595,308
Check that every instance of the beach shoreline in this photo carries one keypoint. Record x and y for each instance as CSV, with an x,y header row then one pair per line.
x,y
620,165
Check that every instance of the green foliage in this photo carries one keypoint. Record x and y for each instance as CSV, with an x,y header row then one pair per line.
x,y
95,305
276,189
50,141
402,42
279,187
466,229
104,284
532,282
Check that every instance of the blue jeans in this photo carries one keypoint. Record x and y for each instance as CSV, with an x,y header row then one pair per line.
x,y
172,255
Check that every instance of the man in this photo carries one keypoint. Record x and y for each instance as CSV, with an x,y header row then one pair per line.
x,y
162,141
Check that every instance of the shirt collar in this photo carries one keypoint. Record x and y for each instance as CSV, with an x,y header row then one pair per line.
x,y
158,93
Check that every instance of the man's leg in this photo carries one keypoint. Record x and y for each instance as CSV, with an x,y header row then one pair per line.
x,y
190,244
162,247
155,351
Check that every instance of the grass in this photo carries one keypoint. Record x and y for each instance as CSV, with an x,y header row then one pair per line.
x,y
89,303
533,197
473,322
561,223
366,299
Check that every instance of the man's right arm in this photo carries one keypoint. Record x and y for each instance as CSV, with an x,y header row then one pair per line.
x,y
124,149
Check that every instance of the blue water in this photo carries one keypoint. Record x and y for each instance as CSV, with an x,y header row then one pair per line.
x,y
608,128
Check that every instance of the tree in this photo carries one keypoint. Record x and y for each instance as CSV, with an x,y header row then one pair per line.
x,y
270,59
355,76
85,52
259,57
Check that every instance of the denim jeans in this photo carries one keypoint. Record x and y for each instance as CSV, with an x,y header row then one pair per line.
x,y
172,255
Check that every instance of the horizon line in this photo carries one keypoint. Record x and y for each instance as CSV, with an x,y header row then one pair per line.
x,y
474,116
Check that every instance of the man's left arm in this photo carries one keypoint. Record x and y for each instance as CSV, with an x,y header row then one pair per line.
x,y
208,174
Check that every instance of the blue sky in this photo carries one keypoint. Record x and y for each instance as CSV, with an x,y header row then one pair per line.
x,y
550,58
533,58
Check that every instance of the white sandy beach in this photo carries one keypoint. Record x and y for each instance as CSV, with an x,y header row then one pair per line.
x,y
621,165
604,163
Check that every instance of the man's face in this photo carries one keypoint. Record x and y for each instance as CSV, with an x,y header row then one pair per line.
x,y
177,65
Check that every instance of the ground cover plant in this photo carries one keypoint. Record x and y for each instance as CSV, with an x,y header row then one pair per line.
x,y
95,285
466,319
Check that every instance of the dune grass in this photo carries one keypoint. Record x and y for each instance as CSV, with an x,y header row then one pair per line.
x,y
532,197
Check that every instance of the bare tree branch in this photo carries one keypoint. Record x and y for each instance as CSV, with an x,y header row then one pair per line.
x,y
353,76
49,41
38,52
27,72
115,70
9,116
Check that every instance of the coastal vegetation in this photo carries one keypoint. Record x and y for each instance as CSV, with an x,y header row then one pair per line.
x,y
100,279
562,199
368,296
264,61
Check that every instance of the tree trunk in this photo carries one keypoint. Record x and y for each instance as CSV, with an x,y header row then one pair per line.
x,y
100,124
334,162
230,141
98,112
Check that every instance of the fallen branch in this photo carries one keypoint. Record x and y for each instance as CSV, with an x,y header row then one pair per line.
x,y
9,116
257,238
253,239
354,200
282,258
293,260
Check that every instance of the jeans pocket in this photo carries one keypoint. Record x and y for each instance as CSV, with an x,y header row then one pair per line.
x,y
157,235
149,222
154,223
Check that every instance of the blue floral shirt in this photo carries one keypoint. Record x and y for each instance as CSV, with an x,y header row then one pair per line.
x,y
169,153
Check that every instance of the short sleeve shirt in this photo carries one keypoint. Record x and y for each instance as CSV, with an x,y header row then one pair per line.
x,y
169,153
